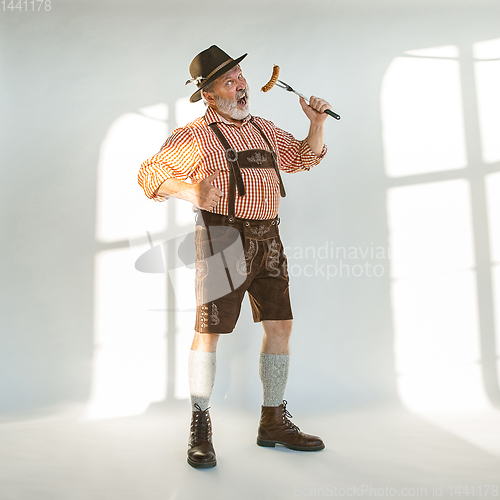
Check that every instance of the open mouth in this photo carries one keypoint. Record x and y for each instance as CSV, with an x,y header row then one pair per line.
x,y
242,101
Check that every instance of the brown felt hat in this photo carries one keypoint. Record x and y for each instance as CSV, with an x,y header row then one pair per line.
x,y
207,66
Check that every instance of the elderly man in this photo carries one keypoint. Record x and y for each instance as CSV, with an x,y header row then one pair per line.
x,y
233,161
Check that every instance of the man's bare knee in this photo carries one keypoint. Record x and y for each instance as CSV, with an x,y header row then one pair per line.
x,y
277,328
205,342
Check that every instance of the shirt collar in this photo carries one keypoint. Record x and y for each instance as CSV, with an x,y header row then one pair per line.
x,y
211,116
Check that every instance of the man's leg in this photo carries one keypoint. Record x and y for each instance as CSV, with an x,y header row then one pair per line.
x,y
201,368
275,425
276,336
201,374
274,360
206,342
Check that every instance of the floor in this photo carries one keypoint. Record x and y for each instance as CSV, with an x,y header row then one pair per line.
x,y
383,452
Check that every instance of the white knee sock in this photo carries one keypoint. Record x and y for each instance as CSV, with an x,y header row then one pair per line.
x,y
201,374
273,371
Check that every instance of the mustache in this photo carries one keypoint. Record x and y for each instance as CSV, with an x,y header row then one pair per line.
x,y
241,93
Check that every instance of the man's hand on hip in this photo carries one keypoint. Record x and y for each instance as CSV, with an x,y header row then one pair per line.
x,y
204,195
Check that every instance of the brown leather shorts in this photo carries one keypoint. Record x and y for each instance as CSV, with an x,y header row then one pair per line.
x,y
234,258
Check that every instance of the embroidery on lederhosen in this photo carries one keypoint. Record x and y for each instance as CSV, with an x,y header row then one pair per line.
x,y
260,231
257,158
214,316
201,266
273,256
244,264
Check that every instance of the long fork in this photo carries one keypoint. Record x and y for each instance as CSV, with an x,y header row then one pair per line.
x,y
285,86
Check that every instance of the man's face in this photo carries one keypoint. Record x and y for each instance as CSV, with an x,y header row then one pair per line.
x,y
231,95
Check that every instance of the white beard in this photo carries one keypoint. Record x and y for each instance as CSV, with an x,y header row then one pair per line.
x,y
230,107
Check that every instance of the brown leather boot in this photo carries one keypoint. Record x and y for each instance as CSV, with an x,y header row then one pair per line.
x,y
201,453
276,428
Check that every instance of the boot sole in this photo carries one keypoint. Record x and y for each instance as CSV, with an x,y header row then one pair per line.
x,y
203,465
272,444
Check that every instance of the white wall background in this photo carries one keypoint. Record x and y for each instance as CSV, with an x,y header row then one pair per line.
x,y
88,90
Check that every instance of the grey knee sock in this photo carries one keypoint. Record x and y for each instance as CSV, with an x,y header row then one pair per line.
x,y
273,371
201,374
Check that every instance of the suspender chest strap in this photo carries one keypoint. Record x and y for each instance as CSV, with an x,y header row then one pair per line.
x,y
275,163
235,177
231,157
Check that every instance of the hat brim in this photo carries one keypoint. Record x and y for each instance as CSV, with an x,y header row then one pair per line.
x,y
197,95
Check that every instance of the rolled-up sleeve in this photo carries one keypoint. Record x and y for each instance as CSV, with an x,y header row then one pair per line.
x,y
295,155
177,159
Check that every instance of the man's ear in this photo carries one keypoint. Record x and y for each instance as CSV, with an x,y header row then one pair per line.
x,y
208,97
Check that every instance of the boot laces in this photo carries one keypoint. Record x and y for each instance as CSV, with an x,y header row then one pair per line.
x,y
201,428
286,416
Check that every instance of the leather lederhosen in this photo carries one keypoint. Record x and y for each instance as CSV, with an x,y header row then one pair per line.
x,y
249,158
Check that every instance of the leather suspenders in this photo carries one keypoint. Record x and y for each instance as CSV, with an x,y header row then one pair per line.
x,y
235,177
282,187
234,171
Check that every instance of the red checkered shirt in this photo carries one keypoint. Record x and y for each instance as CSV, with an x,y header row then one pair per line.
x,y
193,152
